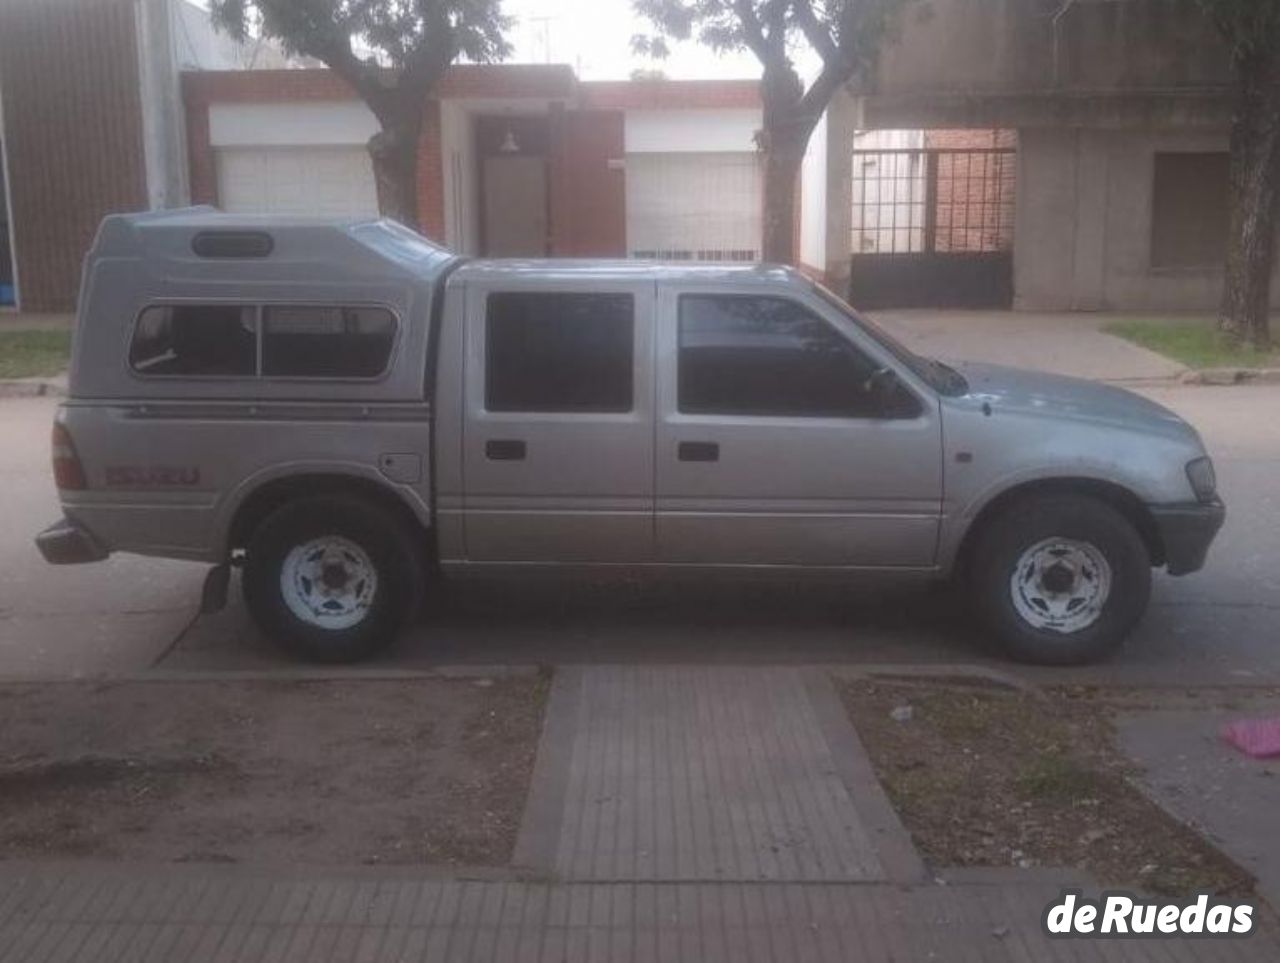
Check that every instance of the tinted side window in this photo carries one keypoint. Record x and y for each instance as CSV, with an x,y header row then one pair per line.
x,y
196,339
559,352
744,355
314,341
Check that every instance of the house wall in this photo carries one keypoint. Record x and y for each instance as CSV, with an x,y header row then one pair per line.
x,y
73,135
291,124
1014,47
1084,223
460,181
1095,89
588,184
692,131
813,204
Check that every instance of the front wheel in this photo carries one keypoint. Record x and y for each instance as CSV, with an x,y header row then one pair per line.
x,y
1060,580
332,578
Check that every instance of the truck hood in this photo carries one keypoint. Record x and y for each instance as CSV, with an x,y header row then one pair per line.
x,y
1036,393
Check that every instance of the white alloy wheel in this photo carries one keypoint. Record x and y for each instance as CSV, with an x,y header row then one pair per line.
x,y
329,582
1061,585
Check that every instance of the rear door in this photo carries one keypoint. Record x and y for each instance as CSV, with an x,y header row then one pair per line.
x,y
770,451
558,432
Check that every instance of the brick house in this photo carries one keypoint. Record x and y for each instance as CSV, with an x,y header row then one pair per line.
x,y
515,160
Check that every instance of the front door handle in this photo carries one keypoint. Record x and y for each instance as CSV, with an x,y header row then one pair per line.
x,y
505,450
698,451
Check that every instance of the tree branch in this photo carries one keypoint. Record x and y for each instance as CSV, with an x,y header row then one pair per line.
x,y
819,38
752,31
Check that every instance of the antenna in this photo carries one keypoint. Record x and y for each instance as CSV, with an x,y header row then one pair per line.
x,y
546,36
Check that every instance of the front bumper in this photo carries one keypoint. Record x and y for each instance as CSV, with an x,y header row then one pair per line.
x,y
1187,531
66,543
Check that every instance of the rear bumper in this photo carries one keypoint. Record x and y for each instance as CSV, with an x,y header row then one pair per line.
x,y
1187,531
66,543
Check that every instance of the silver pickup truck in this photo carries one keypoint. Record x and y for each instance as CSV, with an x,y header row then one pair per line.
x,y
349,413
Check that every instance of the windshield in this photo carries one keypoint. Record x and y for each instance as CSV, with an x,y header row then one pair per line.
x,y
942,378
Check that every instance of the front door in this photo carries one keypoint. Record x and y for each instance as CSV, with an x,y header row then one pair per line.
x,y
771,450
515,206
558,436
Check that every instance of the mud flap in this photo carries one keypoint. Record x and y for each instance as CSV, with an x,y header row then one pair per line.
x,y
213,597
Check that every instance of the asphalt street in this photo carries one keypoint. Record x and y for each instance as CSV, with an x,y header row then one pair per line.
x,y
128,615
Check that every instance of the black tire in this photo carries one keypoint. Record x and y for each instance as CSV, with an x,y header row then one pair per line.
x,y
1024,525
387,544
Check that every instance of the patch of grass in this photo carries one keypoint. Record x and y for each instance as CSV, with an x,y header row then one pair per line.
x,y
1056,776
1197,344
33,354
985,777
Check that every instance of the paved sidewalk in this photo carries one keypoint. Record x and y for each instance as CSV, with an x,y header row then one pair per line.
x,y
677,814
1069,344
1193,773
694,773
73,914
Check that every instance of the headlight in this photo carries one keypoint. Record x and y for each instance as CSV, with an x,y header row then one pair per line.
x,y
1204,480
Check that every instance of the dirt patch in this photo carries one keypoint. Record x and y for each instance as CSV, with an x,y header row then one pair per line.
x,y
985,777
392,772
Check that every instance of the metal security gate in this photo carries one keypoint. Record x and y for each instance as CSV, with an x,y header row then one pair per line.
x,y
933,227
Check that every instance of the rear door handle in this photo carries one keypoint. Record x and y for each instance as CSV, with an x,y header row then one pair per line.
x,y
698,451
505,450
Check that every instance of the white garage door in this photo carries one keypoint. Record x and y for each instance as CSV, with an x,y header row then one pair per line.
x,y
696,207
331,181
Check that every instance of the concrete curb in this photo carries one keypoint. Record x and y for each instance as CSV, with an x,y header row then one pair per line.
x,y
32,388
1231,376
300,674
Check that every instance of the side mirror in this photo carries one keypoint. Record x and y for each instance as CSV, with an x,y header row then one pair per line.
x,y
882,386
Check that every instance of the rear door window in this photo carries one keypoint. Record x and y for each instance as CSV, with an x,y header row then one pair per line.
x,y
210,340
560,352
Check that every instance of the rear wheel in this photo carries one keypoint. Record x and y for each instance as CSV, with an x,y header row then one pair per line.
x,y
1060,579
332,578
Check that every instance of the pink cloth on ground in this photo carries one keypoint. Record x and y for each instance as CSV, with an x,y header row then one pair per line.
x,y
1259,738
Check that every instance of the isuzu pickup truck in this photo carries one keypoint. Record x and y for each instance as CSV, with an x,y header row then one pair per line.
x,y
348,413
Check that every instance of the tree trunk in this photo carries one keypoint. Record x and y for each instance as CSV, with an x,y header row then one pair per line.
x,y
782,163
783,140
394,151
1255,179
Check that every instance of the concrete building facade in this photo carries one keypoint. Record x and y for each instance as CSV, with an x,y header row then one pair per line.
x,y
1121,110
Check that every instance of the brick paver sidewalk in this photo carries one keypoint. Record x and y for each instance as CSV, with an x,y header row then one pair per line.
x,y
677,814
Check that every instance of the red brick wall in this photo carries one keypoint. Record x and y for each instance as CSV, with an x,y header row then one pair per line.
x,y
431,176
975,190
588,198
73,134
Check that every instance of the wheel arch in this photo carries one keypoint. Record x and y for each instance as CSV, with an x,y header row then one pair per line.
x,y
271,494
1117,496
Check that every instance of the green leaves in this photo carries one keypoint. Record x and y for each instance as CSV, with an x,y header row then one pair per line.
x,y
394,34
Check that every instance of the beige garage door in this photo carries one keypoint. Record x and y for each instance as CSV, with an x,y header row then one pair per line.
x,y
330,181
696,207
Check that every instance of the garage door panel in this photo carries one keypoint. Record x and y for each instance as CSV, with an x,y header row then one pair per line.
x,y
694,206
330,181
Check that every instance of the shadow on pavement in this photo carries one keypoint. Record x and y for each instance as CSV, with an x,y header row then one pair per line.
x,y
551,622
